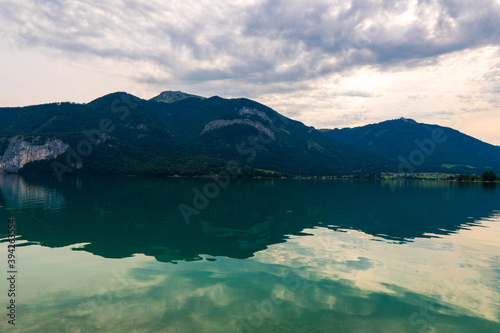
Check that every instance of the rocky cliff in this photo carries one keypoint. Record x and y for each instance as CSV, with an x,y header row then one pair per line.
x,y
22,151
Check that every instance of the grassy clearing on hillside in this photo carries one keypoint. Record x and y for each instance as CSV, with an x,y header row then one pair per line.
x,y
449,166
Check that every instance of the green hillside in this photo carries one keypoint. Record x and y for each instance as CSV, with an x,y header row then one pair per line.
x,y
122,134
424,147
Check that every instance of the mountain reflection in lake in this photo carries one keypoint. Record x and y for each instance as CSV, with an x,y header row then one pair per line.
x,y
263,256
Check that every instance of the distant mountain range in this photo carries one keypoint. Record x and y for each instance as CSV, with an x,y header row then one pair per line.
x,y
176,133
421,147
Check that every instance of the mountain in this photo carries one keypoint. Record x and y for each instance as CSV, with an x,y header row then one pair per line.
x,y
123,134
421,147
173,96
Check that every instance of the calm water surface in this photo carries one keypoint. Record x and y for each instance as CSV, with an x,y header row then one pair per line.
x,y
115,254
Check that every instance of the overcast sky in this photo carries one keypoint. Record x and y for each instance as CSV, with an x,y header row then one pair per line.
x,y
326,63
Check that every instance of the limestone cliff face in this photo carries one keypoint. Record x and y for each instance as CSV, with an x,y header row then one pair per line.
x,y
216,124
20,152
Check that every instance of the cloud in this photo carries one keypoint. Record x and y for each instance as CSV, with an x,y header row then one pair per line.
x,y
261,41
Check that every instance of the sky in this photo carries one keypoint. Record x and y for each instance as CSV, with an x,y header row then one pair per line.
x,y
326,63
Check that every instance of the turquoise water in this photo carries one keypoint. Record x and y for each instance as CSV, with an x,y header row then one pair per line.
x,y
115,254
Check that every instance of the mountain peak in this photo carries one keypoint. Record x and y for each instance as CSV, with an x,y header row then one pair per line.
x,y
407,120
171,96
441,148
112,96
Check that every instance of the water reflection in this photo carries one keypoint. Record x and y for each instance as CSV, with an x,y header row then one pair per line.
x,y
120,217
19,194
319,257
325,282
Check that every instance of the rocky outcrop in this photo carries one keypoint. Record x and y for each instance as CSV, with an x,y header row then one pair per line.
x,y
216,124
21,151
254,112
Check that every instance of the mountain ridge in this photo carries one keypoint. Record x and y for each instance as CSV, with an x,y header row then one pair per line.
x,y
120,133
403,139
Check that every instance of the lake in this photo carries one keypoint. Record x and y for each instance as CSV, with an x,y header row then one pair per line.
x,y
133,254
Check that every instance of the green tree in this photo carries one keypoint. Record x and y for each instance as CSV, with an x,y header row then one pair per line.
x,y
466,178
488,176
